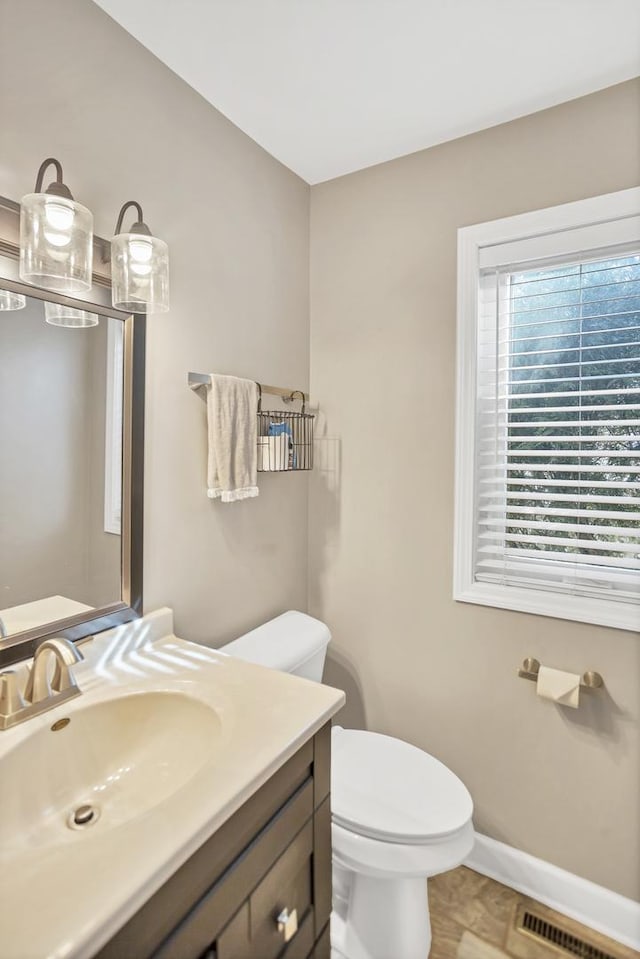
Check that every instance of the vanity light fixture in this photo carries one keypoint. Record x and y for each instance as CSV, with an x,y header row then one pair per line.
x,y
59,315
11,301
56,236
139,267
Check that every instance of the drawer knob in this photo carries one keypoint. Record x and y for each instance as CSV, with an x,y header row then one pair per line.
x,y
288,923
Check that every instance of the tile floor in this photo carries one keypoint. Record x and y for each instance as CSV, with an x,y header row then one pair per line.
x,y
472,917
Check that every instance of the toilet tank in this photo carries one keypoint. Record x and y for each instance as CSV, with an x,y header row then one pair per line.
x,y
293,643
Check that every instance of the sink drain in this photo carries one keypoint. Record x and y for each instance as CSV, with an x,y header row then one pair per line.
x,y
83,816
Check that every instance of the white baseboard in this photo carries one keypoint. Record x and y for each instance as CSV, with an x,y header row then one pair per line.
x,y
593,905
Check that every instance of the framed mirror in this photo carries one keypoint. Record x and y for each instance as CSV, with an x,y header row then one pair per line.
x,y
71,458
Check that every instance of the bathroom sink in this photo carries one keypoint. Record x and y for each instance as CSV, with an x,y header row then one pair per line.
x,y
94,767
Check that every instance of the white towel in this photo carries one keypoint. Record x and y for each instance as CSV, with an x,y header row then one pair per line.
x,y
232,406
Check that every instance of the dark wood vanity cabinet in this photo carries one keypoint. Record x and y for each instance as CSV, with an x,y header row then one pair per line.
x,y
273,854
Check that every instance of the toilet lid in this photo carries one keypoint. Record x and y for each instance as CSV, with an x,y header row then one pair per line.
x,y
387,789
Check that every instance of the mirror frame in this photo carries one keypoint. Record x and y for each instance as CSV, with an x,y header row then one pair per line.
x,y
83,625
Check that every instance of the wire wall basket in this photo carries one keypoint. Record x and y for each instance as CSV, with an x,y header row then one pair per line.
x,y
285,439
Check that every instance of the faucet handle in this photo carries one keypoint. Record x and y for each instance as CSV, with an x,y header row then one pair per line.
x,y
10,698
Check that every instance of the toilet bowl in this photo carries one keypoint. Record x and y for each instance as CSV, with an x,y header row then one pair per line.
x,y
398,814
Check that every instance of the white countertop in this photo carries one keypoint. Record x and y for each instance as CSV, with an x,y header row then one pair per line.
x,y
68,899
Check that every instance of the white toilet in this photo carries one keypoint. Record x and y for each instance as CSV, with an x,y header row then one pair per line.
x,y
399,815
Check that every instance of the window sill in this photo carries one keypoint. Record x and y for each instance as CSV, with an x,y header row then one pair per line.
x,y
580,609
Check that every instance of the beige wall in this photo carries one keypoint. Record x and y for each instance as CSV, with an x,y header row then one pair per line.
x,y
237,224
558,784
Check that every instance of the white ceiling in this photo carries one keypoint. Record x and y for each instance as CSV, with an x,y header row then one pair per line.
x,y
332,86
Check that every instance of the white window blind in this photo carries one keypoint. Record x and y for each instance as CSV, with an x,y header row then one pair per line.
x,y
557,485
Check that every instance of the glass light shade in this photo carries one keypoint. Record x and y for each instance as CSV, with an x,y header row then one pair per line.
x,y
139,273
58,315
12,301
56,243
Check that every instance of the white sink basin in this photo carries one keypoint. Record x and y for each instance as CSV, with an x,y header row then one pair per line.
x,y
121,757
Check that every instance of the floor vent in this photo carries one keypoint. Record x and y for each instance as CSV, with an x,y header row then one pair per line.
x,y
548,932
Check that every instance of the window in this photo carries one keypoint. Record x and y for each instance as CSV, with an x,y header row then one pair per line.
x,y
548,445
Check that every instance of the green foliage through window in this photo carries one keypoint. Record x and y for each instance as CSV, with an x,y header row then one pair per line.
x,y
571,378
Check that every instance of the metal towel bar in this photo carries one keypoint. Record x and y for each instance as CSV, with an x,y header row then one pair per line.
x,y
196,380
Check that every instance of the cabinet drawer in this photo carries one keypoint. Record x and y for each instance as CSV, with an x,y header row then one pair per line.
x,y
204,923
253,931
288,885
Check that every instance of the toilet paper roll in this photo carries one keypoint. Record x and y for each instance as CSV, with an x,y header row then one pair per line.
x,y
558,686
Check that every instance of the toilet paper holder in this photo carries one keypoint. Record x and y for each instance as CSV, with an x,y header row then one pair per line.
x,y
530,667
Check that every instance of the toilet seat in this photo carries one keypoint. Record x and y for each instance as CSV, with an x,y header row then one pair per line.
x,y
393,860
387,790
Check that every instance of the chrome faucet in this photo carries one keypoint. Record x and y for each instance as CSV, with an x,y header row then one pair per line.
x,y
41,693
